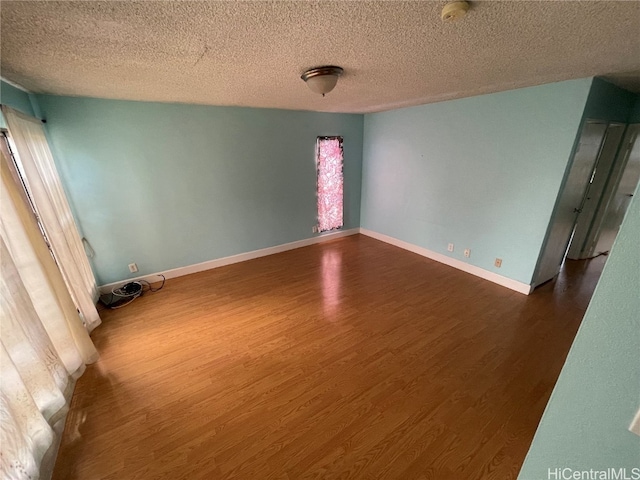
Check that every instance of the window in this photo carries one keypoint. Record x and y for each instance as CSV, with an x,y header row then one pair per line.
x,y
329,161
19,175
40,177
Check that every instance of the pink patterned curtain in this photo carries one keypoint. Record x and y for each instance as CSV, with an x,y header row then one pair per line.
x,y
330,184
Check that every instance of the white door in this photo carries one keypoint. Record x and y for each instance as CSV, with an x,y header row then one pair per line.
x,y
570,200
628,177
591,202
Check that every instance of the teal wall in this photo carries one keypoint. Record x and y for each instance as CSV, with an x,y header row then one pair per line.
x,y
585,424
170,185
634,116
480,172
608,102
15,98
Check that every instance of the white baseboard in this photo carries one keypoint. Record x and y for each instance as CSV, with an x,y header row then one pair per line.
x,y
243,257
452,262
221,262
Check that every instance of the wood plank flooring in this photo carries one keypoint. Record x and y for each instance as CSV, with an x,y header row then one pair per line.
x,y
348,359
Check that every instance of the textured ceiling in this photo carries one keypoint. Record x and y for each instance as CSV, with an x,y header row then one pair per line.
x,y
394,53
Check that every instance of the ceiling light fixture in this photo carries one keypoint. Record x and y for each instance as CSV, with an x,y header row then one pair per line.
x,y
322,79
454,11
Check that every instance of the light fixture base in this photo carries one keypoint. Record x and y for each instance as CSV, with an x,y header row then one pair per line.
x,y
322,79
454,11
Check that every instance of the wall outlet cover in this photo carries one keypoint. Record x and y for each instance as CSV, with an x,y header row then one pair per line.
x,y
635,424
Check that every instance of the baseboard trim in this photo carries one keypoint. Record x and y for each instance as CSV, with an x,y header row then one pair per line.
x,y
242,257
452,262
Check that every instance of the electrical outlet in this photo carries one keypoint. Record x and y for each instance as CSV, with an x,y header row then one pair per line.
x,y
314,229
133,268
498,262
467,252
450,247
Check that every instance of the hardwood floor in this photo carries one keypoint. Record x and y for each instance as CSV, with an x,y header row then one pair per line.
x,y
348,359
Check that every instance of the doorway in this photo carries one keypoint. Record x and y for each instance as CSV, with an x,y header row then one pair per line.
x,y
580,245
590,209
624,179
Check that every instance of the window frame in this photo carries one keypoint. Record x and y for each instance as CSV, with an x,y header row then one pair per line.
x,y
320,223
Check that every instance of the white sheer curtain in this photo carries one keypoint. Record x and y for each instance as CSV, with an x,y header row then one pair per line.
x,y
53,210
43,344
